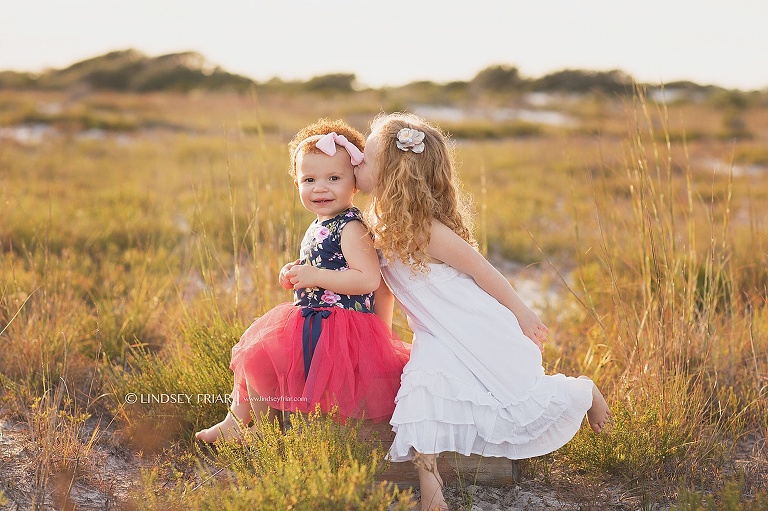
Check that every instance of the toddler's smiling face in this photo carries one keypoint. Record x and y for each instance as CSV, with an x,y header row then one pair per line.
x,y
326,183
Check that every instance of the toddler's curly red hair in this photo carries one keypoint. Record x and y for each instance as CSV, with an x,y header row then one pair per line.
x,y
321,127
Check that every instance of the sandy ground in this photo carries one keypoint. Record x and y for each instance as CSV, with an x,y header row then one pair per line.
x,y
105,478
528,496
100,482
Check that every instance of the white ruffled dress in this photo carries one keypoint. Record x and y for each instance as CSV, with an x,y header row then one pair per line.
x,y
475,383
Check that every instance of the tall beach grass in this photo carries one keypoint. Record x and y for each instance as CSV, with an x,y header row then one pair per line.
x,y
675,325
131,264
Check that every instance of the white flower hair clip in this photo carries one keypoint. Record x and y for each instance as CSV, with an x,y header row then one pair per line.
x,y
409,139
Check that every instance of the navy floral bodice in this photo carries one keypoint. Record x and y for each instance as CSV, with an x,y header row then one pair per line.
x,y
321,247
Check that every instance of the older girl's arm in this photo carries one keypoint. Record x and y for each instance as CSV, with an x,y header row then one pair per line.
x,y
448,247
384,303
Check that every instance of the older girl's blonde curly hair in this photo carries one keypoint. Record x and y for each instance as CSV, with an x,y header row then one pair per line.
x,y
321,127
414,189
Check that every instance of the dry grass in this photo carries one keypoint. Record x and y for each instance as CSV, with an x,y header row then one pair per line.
x,y
132,261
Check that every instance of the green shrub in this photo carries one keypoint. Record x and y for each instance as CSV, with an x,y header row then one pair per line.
x,y
168,395
729,498
317,464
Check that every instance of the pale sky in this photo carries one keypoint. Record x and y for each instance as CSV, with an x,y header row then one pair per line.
x,y
395,42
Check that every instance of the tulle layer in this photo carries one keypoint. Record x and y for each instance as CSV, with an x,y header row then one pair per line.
x,y
437,413
356,365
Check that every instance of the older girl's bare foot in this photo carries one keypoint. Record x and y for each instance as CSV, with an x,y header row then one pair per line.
x,y
599,415
227,430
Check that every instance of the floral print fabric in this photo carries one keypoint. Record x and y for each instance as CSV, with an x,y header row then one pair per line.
x,y
321,247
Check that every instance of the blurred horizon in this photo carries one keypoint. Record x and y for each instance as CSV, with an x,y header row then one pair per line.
x,y
705,43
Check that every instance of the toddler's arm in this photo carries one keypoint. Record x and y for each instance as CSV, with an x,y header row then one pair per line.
x,y
361,277
449,247
283,278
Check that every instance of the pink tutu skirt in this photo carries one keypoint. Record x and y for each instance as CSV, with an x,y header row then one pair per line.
x,y
356,365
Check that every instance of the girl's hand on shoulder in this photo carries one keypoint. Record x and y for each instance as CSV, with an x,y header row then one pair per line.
x,y
283,278
303,275
532,327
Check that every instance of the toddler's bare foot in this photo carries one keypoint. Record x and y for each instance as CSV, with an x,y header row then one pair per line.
x,y
227,430
599,414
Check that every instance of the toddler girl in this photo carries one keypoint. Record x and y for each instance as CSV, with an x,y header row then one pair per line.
x,y
327,347
474,382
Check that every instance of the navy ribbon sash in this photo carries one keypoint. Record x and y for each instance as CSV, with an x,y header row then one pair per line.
x,y
313,326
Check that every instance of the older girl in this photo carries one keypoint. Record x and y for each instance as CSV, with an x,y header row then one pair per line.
x,y
474,382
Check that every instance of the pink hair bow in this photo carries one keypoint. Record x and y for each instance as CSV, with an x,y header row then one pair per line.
x,y
327,144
